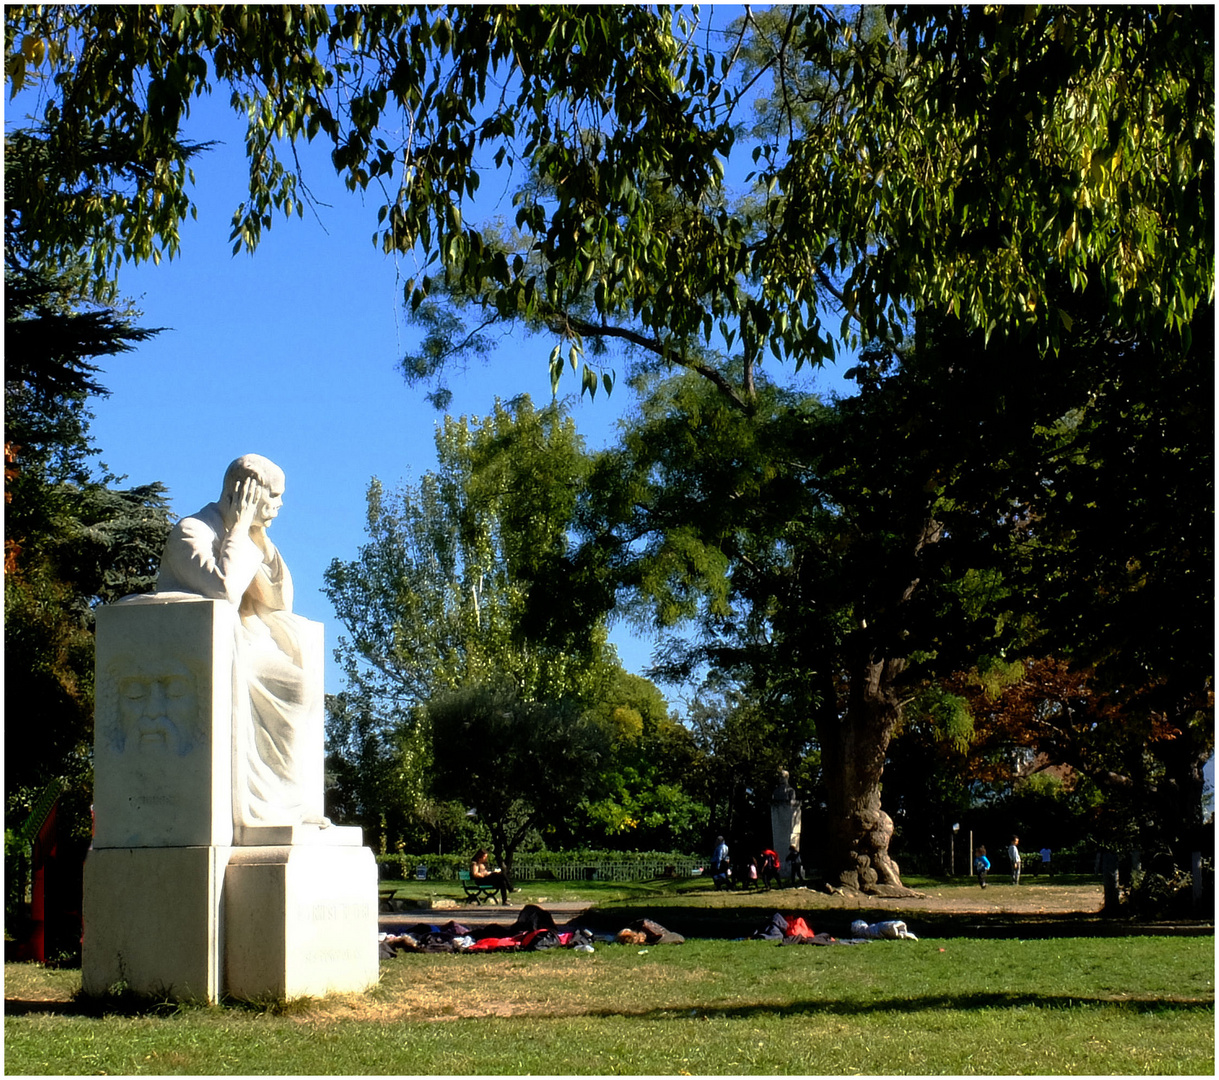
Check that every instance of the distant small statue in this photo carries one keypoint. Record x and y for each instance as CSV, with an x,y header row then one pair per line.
x,y
784,793
222,553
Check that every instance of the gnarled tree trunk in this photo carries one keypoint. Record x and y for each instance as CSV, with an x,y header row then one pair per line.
x,y
853,749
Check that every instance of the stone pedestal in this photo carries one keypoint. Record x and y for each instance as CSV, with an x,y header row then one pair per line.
x,y
163,738
784,819
300,920
153,922
178,903
785,829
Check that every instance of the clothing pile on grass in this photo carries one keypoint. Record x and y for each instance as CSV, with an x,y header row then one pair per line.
x,y
795,931
647,932
533,930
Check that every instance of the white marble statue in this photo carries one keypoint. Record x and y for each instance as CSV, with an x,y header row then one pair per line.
x,y
222,553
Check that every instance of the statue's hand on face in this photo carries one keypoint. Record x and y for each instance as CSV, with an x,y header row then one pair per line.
x,y
244,501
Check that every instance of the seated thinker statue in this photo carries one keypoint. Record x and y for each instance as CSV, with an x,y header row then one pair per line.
x,y
222,553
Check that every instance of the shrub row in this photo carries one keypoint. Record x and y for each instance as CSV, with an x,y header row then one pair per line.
x,y
564,865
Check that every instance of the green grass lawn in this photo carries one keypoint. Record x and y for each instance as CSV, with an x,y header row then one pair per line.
x,y
543,891
699,890
1065,1005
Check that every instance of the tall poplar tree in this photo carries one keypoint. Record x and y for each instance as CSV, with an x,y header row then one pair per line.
x,y
442,608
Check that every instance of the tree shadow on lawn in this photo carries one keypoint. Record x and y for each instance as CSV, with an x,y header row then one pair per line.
x,y
130,1004
741,921
832,1007
932,1002
22,1007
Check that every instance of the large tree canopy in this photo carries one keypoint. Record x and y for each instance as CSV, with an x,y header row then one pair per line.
x,y
448,588
1018,184
978,156
969,159
415,101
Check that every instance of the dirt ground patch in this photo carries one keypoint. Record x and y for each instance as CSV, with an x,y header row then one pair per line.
x,y
998,898
503,988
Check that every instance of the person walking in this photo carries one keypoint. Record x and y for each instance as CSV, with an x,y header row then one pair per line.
x,y
719,856
1013,857
981,864
795,865
722,878
769,862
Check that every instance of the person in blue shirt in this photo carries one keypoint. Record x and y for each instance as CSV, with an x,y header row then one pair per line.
x,y
981,865
719,856
722,878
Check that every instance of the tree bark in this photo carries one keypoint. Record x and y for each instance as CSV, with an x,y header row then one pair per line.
x,y
853,749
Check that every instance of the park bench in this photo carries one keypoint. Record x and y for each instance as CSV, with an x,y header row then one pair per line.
x,y
475,890
387,894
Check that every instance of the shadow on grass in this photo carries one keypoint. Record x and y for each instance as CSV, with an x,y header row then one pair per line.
x,y
694,1010
742,921
82,1006
926,1003
143,1005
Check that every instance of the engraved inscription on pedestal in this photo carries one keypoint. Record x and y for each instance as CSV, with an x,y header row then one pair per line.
x,y
162,741
300,920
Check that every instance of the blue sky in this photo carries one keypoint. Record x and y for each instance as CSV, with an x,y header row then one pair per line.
x,y
291,353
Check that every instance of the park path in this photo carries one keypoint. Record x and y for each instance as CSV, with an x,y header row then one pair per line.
x,y
475,916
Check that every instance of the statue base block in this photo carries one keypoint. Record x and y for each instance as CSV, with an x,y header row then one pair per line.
x,y
196,923
785,829
152,922
300,921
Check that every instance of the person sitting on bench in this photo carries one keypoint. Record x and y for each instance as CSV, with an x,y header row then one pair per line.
x,y
481,874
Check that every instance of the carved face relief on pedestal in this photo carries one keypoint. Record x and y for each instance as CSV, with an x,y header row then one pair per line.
x,y
151,709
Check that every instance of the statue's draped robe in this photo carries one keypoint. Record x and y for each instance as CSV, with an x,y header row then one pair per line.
x,y
273,693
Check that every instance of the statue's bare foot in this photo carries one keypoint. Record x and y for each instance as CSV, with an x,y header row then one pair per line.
x,y
320,822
